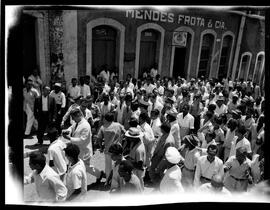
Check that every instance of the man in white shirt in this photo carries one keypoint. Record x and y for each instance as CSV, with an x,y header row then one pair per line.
x,y
221,108
155,102
148,139
56,155
29,95
238,168
84,89
207,166
105,73
76,178
156,123
154,71
49,186
185,121
73,92
241,141
160,88
148,86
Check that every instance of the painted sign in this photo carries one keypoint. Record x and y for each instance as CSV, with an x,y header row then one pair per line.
x,y
180,38
168,17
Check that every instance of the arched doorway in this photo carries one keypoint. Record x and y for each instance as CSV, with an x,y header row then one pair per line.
x,y
207,48
244,66
181,58
225,57
104,48
149,46
259,68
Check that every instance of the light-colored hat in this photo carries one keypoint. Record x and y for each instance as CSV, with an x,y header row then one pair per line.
x,y
173,112
172,155
134,133
58,84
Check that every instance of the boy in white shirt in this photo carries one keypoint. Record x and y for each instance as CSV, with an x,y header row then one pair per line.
x,y
76,179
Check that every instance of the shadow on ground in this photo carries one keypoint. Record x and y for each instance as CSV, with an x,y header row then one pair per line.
x,y
98,186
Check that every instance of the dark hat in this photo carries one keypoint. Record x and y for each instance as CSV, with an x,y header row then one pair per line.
x,y
193,140
169,100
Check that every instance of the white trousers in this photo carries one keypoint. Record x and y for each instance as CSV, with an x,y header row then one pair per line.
x,y
30,119
108,165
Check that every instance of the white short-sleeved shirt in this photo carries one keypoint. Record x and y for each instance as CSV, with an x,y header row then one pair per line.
x,y
57,154
242,143
49,186
59,98
185,122
76,178
206,169
74,92
171,182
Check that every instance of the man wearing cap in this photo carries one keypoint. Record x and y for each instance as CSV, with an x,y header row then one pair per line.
x,y
216,186
221,108
185,121
137,153
171,181
158,161
207,166
239,171
29,96
45,112
60,100
191,156
175,129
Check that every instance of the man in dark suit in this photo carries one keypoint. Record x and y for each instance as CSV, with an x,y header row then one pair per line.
x,y
45,113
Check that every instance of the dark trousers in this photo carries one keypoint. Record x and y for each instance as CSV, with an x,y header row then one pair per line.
x,y
59,117
197,120
43,122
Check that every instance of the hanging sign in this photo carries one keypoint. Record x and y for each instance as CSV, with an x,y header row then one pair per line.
x,y
180,38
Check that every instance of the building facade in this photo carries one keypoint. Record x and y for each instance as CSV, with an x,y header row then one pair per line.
x,y
188,42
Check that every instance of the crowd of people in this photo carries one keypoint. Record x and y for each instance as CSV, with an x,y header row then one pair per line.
x,y
169,134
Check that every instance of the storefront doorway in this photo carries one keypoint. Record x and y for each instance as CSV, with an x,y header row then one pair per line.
x,y
148,50
179,64
104,48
